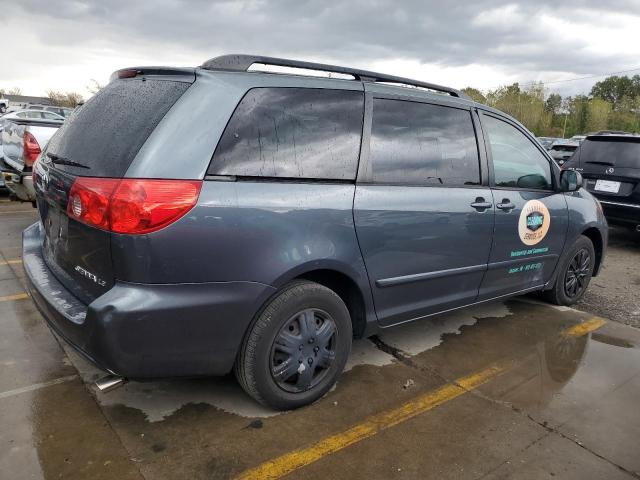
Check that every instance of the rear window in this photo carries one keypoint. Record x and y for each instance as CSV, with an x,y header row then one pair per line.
x,y
292,133
564,148
619,152
105,134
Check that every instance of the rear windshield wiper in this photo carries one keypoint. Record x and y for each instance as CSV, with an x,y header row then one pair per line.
x,y
57,160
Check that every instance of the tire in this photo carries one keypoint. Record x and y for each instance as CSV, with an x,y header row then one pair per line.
x,y
297,347
572,265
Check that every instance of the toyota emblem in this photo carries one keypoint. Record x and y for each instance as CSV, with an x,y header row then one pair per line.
x,y
609,170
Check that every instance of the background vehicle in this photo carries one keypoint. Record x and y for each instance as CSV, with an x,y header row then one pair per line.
x,y
578,138
62,111
266,241
4,105
610,164
35,115
547,142
561,152
23,134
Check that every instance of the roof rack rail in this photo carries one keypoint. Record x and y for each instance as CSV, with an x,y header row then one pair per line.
x,y
241,63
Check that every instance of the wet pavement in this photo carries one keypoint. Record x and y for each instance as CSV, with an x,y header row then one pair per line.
x,y
516,389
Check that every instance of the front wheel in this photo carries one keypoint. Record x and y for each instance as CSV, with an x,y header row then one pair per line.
x,y
296,348
574,273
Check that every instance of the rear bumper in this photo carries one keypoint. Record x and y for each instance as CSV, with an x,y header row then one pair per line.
x,y
621,212
147,331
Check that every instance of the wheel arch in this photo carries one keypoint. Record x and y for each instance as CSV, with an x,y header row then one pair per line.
x,y
351,285
593,234
347,289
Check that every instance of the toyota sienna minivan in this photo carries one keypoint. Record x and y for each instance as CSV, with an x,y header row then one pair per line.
x,y
195,221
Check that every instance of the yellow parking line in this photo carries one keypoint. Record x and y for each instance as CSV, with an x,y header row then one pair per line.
x,y
585,327
296,459
17,296
11,262
299,458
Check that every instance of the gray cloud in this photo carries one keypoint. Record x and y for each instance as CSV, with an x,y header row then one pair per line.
x,y
506,36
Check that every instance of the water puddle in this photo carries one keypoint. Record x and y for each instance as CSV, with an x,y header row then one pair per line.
x,y
160,399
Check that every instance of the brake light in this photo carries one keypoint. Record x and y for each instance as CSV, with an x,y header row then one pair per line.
x,y
131,206
31,149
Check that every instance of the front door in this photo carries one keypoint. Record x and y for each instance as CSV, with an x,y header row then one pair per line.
x,y
424,220
531,216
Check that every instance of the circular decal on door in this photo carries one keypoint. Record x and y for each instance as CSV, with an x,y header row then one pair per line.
x,y
534,222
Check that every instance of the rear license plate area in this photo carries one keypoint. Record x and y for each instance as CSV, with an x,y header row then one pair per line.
x,y
607,186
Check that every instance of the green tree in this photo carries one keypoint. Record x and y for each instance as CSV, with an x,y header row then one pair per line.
x,y
475,94
613,89
526,105
598,111
553,103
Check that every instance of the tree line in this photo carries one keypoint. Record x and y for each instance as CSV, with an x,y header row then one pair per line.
x,y
612,104
57,98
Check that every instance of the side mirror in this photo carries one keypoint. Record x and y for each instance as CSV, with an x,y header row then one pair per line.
x,y
570,180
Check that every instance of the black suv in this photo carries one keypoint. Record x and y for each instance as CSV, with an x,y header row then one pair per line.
x,y
610,165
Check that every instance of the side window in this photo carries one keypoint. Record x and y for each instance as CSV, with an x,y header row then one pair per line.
x,y
292,133
421,144
517,163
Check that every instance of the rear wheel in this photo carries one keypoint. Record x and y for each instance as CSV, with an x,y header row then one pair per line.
x,y
297,347
574,273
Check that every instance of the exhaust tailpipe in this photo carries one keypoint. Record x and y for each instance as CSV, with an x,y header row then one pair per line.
x,y
110,382
637,228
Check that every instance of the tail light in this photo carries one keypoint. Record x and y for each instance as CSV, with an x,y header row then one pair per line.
x,y
31,148
131,206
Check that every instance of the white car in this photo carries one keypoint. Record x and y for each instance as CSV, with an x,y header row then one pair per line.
x,y
23,135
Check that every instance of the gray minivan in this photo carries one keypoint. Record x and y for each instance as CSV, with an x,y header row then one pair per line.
x,y
198,221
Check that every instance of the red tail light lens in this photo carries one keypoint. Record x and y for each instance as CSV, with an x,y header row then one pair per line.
x,y
89,200
131,206
143,206
31,148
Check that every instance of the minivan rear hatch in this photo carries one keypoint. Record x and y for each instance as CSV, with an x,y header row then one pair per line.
x,y
99,140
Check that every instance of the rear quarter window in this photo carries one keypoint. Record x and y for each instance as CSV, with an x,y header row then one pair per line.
x,y
292,133
106,133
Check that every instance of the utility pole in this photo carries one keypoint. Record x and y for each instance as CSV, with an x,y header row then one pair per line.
x,y
564,129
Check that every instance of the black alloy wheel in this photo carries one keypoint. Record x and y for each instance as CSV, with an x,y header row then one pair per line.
x,y
574,273
579,270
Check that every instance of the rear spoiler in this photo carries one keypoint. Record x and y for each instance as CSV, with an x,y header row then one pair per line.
x,y
187,75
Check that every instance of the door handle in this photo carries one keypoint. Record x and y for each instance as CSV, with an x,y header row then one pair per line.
x,y
505,205
481,204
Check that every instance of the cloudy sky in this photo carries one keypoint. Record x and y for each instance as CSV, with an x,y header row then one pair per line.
x,y
63,44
